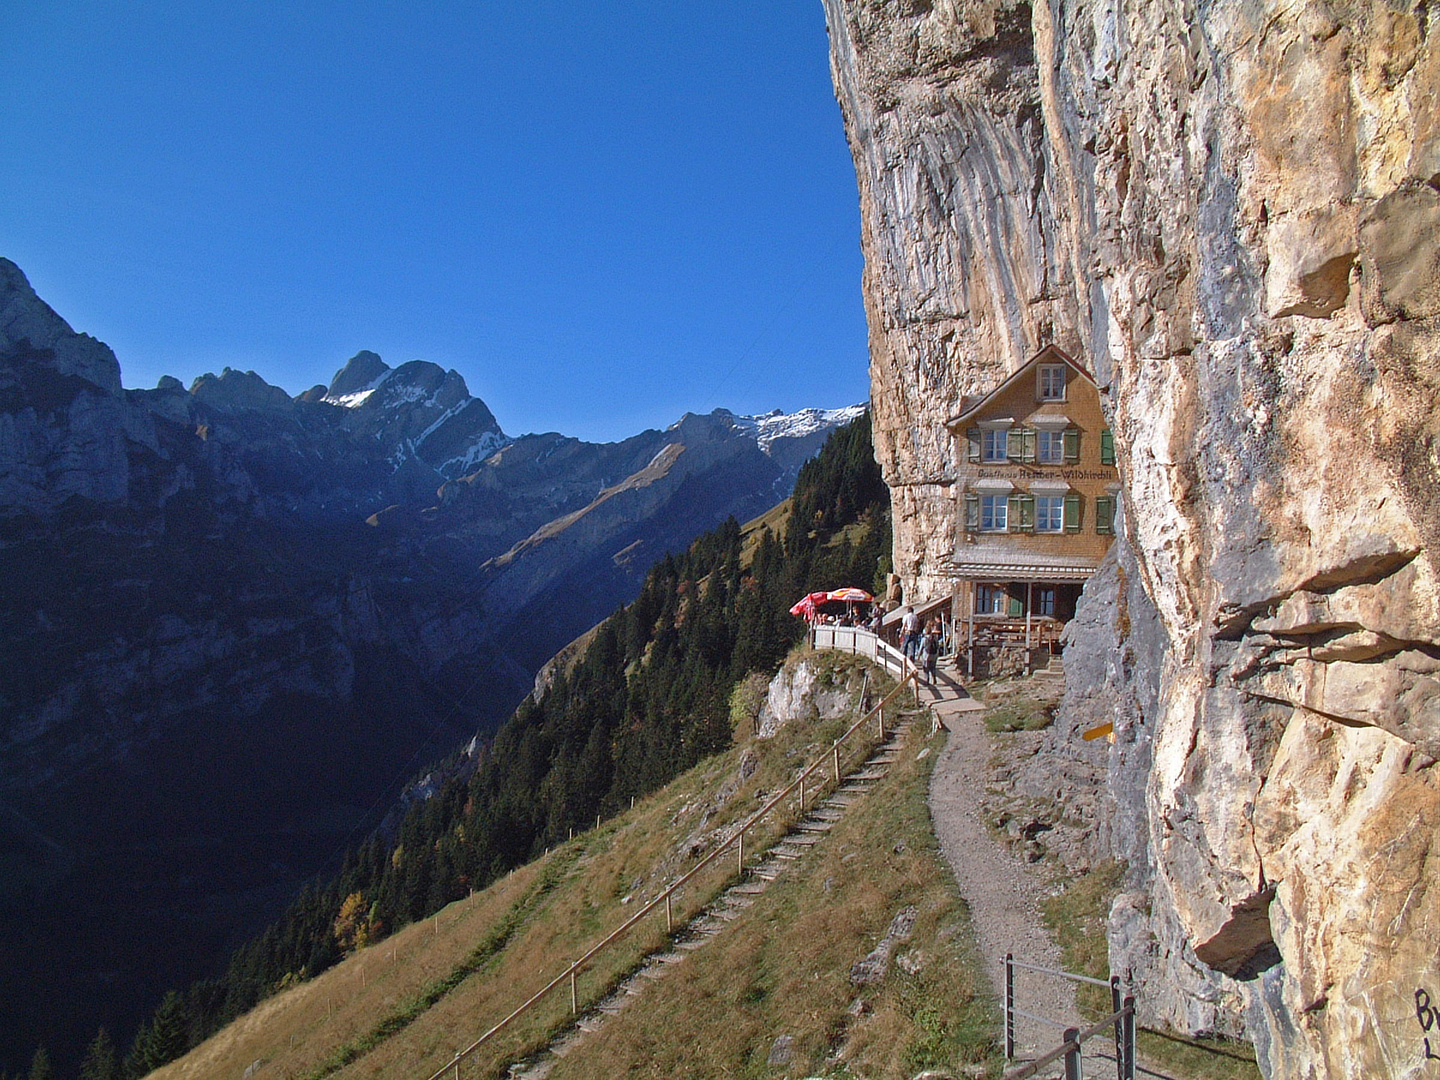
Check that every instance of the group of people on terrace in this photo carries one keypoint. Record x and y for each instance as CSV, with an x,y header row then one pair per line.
x,y
921,642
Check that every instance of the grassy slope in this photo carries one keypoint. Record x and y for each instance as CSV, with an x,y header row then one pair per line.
x,y
783,967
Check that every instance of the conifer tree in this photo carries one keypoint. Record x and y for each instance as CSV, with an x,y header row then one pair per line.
x,y
40,1065
100,1061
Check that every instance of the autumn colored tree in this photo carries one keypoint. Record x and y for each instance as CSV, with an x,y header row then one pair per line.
x,y
352,924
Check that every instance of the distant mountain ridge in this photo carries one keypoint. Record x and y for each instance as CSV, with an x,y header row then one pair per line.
x,y
214,669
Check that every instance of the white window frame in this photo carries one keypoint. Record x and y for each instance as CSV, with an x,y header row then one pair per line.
x,y
995,445
1050,447
996,510
1046,375
1048,509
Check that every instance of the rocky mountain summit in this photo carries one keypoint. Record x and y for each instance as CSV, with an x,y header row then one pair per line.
x,y
1230,215
236,621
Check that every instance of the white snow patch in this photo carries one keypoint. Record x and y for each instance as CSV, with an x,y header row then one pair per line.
x,y
446,415
661,453
403,394
359,397
767,427
477,452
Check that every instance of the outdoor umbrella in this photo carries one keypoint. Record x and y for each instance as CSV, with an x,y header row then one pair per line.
x,y
806,606
851,595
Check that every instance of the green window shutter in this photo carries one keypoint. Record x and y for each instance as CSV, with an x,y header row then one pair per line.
x,y
1104,515
1012,518
1025,504
973,438
1107,447
1028,437
1072,512
1015,444
1072,445
1016,607
972,512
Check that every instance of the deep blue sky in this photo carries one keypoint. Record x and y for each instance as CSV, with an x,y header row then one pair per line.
x,y
602,214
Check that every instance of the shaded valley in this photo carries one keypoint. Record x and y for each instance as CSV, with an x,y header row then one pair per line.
x,y
237,622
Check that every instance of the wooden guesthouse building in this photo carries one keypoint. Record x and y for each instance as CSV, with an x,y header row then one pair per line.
x,y
1037,496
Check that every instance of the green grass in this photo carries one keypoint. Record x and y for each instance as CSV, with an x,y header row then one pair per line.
x,y
484,952
1019,714
783,967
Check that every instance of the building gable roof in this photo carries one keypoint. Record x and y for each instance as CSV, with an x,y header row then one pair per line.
x,y
1051,354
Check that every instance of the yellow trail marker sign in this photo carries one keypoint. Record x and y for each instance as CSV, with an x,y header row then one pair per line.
x,y
1098,732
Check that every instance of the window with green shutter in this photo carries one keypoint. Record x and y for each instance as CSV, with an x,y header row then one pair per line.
x,y
972,437
1017,607
972,512
1022,513
1107,447
1105,515
1072,513
1072,445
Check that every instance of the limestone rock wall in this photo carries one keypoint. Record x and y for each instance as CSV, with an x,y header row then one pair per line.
x,y
1231,213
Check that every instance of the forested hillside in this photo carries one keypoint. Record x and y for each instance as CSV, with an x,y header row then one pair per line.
x,y
650,697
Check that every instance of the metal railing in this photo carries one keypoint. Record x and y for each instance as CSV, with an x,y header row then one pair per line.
x,y
1122,1018
862,642
826,763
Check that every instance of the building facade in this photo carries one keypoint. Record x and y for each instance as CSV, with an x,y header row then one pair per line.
x,y
1037,501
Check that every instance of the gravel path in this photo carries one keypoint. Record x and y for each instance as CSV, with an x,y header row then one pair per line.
x,y
1002,891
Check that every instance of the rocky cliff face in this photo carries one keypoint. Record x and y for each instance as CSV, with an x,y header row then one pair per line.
x,y
1231,213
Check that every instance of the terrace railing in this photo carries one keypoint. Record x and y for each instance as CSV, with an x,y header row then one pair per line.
x,y
862,642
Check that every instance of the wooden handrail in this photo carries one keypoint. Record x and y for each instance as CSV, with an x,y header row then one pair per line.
x,y
737,837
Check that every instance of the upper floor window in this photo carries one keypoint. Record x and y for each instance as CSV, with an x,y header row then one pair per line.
x,y
995,445
1051,382
1050,513
1051,448
994,512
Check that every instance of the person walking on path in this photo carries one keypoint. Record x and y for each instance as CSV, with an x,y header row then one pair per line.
x,y
910,633
930,653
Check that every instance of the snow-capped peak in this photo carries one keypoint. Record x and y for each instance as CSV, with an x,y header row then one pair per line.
x,y
782,425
